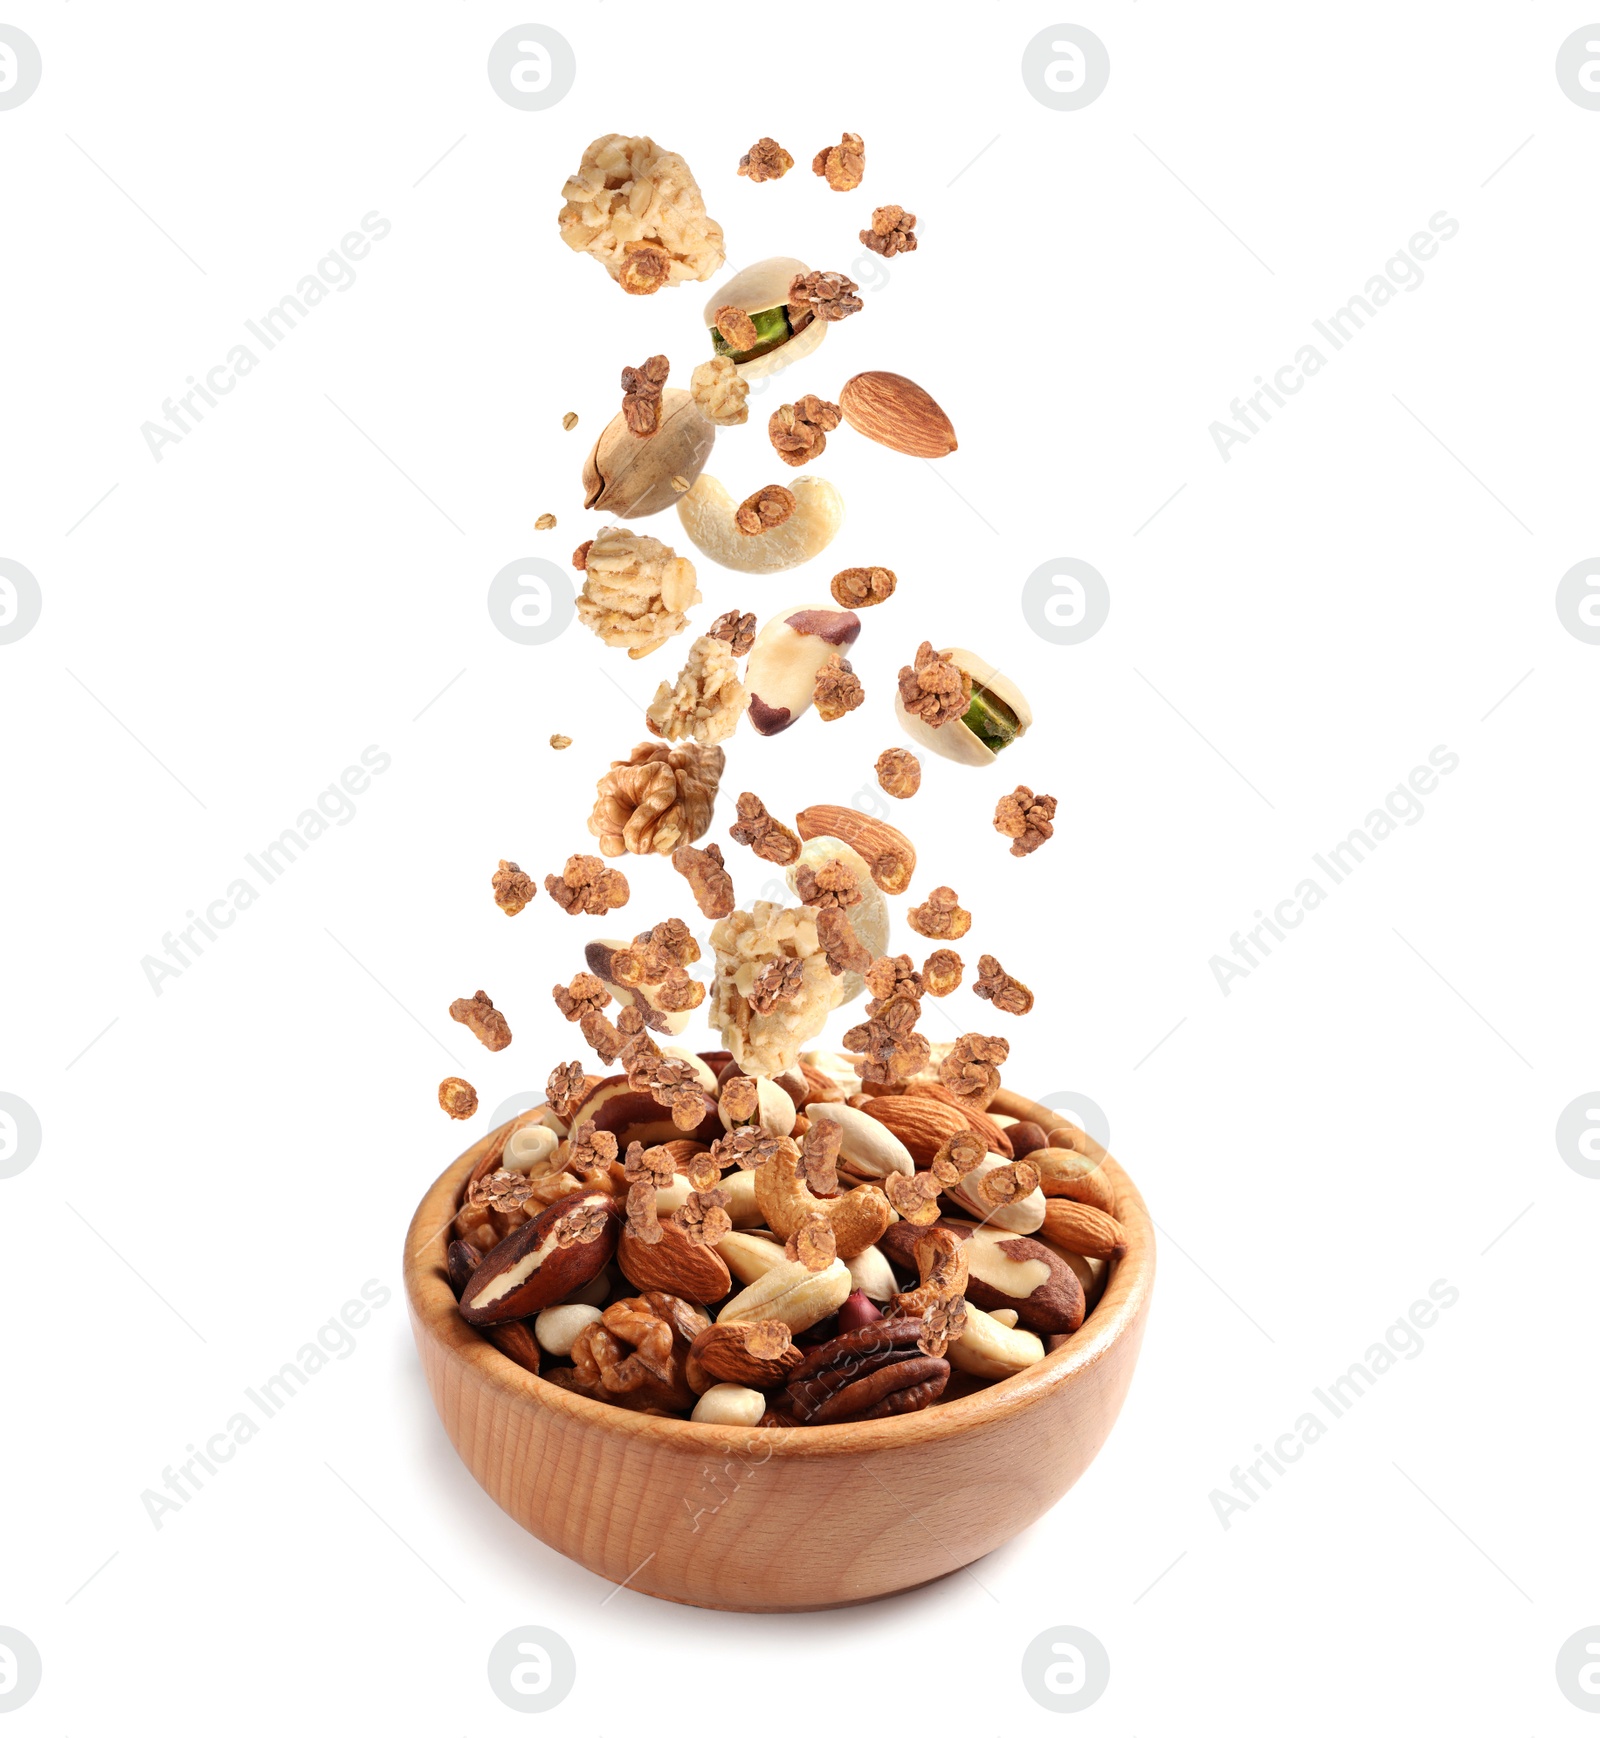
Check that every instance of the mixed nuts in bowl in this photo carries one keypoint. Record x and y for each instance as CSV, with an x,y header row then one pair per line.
x,y
619,1418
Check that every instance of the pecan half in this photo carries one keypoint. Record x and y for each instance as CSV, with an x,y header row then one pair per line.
x,y
873,1372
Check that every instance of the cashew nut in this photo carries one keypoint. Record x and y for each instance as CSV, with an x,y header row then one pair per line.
x,y
789,1292
706,513
870,1272
749,1258
870,1149
728,1403
857,1218
530,1148
988,1347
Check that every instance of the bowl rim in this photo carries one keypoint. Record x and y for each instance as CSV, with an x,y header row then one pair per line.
x,y
1121,1308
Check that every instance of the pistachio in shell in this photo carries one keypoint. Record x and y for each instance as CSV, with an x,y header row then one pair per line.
x,y
633,477
997,716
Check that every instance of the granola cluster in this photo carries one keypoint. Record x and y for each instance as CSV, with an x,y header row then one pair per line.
x,y
933,688
893,231
899,772
823,295
641,395
512,888
635,591
842,165
765,509
763,833
799,431
721,392
858,588
587,888
1025,819
837,689
707,699
638,210
766,160
747,944
709,881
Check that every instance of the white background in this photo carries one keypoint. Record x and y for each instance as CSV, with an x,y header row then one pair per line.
x,y
1289,635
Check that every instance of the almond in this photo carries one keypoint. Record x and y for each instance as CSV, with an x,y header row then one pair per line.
x,y
922,1123
888,852
1071,1177
897,413
1083,1230
984,1127
673,1264
756,1354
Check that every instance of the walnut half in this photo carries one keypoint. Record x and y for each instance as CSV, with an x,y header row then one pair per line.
x,y
657,799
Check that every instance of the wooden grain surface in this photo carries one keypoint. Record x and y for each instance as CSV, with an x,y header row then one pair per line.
x,y
777,1520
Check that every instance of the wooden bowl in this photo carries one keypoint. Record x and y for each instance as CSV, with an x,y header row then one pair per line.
x,y
777,1520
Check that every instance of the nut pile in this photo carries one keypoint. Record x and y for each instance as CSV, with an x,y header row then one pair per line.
x,y
777,1229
